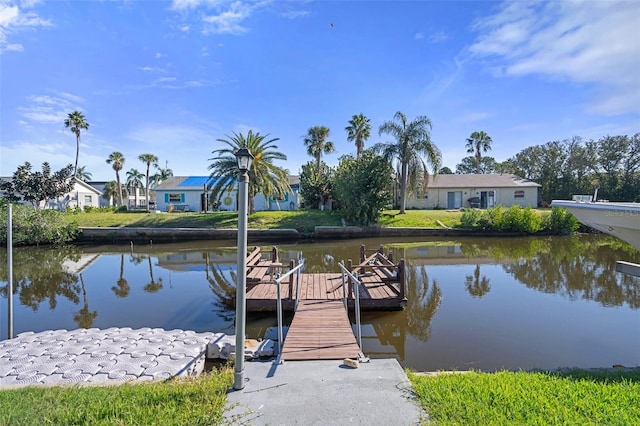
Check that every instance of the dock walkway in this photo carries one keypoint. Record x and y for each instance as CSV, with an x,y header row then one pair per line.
x,y
320,330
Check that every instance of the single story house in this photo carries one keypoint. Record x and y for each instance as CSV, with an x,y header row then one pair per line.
x,y
455,191
82,195
187,193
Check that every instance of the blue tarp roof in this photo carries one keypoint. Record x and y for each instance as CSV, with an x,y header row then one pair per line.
x,y
197,181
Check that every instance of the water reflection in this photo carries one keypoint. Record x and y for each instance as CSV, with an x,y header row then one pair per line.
x,y
486,303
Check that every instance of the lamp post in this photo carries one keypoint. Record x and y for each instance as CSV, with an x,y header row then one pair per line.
x,y
244,158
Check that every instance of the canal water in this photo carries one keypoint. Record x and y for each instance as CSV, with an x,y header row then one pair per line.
x,y
473,303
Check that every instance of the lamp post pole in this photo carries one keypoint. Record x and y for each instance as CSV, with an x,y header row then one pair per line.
x,y
244,158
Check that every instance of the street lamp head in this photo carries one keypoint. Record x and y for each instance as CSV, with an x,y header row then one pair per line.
x,y
244,157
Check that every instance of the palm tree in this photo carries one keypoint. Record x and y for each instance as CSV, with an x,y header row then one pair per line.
x,y
358,131
134,180
478,141
83,174
412,140
317,143
161,176
264,176
76,122
148,159
110,191
116,159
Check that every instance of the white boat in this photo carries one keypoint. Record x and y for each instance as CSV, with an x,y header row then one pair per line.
x,y
615,218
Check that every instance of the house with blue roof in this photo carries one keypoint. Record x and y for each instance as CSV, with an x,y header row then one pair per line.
x,y
187,194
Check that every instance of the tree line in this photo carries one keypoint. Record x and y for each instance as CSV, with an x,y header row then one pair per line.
x,y
409,157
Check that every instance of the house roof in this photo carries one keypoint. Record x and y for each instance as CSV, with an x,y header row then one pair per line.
x,y
186,183
503,180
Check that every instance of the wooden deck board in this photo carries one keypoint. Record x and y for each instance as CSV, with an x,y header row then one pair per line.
x,y
320,330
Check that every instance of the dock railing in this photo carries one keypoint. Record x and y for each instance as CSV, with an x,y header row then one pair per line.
x,y
293,272
356,285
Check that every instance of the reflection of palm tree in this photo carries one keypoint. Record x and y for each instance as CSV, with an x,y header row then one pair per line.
x,y
84,318
153,285
122,288
476,286
422,303
221,286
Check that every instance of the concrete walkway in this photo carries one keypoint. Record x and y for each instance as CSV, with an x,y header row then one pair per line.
x,y
323,393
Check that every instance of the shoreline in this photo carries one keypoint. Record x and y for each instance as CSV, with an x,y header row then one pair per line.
x,y
115,235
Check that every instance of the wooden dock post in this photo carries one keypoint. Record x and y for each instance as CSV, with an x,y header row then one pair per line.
x,y
274,254
363,256
402,278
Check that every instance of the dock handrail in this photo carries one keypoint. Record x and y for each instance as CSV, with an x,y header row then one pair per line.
x,y
356,282
278,281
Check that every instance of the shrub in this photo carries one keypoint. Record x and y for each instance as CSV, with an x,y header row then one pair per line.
x,y
471,218
35,227
561,222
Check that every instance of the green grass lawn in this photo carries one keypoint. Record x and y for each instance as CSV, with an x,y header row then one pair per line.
x,y
302,220
578,397
188,401
505,398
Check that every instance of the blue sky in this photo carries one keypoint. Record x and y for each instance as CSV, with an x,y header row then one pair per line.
x,y
169,78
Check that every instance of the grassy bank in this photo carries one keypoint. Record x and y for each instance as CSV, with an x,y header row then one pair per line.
x,y
505,398
578,397
188,401
302,220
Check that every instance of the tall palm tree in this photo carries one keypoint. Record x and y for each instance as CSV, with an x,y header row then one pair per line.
x,y
478,141
148,159
412,140
134,181
83,174
264,176
116,159
358,131
317,143
76,122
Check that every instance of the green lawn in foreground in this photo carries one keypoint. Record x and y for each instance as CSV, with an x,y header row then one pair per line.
x,y
302,220
188,401
579,397
505,398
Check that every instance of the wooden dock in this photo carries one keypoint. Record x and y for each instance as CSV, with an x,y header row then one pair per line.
x,y
382,289
321,328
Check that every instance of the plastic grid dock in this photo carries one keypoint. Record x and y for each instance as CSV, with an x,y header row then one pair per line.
x,y
95,356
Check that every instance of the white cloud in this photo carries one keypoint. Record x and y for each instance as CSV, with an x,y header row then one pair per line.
x,y
50,109
418,36
595,42
13,19
219,17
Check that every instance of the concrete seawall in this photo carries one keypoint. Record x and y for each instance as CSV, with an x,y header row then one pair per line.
x,y
114,235
171,235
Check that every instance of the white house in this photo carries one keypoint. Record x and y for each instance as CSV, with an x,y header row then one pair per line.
x,y
476,190
82,195
186,193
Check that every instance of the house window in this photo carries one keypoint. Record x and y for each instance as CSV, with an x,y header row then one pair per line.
x,y
518,194
87,200
176,198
